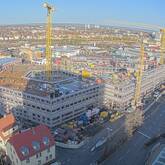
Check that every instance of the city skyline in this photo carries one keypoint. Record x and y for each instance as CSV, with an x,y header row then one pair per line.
x,y
86,12
83,85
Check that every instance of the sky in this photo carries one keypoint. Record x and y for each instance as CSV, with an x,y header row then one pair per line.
x,y
110,12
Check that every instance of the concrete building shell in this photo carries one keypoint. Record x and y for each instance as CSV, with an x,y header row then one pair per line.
x,y
120,94
45,108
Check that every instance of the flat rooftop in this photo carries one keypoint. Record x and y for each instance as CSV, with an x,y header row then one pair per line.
x,y
34,82
62,83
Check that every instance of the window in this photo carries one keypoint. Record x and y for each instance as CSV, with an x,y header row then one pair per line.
x,y
36,145
45,140
24,150
56,118
50,156
27,160
39,162
43,109
48,150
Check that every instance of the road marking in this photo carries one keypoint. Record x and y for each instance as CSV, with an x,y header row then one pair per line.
x,y
144,135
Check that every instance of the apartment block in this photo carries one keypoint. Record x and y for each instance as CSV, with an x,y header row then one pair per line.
x,y
35,146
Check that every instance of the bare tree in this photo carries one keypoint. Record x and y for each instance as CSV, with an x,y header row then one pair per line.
x,y
133,120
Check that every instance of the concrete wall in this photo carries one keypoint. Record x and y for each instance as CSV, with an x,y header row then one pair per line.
x,y
50,112
70,146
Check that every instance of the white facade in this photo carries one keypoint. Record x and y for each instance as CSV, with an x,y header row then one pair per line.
x,y
52,111
120,94
6,135
41,158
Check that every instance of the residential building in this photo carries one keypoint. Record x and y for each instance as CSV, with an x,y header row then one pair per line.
x,y
8,127
35,146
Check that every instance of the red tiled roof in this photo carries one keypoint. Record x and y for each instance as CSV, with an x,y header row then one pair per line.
x,y
26,138
7,122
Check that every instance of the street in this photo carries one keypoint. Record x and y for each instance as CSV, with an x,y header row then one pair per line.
x,y
71,157
132,152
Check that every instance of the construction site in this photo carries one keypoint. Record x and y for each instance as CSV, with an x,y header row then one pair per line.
x,y
129,73
41,94
44,86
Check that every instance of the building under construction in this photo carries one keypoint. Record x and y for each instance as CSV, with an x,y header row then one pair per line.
x,y
46,95
118,70
119,93
28,95
53,96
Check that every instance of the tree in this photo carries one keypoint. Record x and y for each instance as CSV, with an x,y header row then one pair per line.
x,y
133,120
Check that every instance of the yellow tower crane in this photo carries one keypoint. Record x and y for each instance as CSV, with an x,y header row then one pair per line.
x,y
162,46
136,101
48,68
139,75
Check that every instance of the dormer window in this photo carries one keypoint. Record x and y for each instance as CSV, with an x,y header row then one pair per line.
x,y
24,150
45,140
36,145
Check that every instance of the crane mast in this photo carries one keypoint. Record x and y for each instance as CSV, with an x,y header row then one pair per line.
x,y
162,46
48,66
139,75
